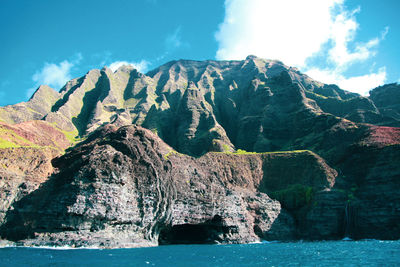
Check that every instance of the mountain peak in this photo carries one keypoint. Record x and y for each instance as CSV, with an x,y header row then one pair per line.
x,y
249,57
44,91
127,68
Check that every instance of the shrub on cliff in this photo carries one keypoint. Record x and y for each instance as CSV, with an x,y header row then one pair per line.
x,y
294,197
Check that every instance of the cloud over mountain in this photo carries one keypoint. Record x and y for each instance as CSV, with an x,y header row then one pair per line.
x,y
141,66
54,75
297,32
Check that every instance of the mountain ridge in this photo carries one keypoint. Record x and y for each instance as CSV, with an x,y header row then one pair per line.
x,y
258,129
126,96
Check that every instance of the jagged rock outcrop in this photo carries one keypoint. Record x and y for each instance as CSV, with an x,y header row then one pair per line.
x,y
386,98
36,108
126,187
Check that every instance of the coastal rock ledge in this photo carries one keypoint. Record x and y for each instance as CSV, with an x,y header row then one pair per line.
x,y
125,187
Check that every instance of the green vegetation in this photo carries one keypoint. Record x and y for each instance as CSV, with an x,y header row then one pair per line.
x,y
244,152
32,110
154,131
7,144
226,148
294,197
289,152
171,152
350,197
310,94
349,193
3,115
72,136
131,102
182,84
11,139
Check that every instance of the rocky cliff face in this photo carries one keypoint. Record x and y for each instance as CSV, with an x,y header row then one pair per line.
x,y
26,151
386,99
373,193
188,178
126,187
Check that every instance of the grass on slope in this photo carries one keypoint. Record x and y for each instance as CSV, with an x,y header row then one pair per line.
x,y
8,138
244,152
7,144
11,139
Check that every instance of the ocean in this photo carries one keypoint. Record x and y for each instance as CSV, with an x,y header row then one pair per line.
x,y
328,253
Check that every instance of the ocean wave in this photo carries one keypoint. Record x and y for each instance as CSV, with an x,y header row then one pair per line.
x,y
51,247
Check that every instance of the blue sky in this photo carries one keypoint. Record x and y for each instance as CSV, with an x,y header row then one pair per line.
x,y
353,43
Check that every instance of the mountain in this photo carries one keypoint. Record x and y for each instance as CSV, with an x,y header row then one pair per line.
x,y
386,99
200,106
322,162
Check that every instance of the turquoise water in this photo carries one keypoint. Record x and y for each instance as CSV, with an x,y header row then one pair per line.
x,y
338,253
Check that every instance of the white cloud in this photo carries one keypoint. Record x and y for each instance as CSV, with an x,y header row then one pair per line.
x,y
288,30
77,58
343,33
141,66
174,40
295,32
358,84
54,75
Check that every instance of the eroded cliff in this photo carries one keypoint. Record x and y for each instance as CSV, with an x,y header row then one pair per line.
x,y
126,187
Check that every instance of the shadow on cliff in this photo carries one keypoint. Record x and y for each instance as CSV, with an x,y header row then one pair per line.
x,y
370,187
42,211
90,99
209,232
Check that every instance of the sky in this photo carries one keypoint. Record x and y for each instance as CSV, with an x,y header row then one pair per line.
x,y
352,43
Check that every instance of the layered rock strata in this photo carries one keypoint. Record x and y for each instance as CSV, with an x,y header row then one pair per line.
x,y
126,187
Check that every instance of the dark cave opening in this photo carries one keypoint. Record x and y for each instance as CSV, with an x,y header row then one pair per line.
x,y
209,232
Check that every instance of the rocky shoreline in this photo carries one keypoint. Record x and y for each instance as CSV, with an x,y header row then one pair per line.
x,y
124,187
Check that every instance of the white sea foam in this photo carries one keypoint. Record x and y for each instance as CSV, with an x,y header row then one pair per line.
x,y
67,247
51,247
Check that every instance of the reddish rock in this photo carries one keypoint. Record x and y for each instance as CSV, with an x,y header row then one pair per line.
x,y
126,187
